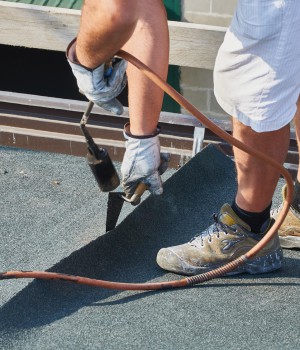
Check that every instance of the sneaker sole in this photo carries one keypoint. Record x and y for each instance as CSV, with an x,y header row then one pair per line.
x,y
263,264
289,241
267,263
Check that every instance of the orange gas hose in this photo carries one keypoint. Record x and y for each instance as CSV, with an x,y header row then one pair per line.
x,y
189,281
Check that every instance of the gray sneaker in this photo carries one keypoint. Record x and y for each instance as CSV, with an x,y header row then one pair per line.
x,y
289,231
227,239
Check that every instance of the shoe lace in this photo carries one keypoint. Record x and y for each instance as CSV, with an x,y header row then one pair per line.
x,y
214,229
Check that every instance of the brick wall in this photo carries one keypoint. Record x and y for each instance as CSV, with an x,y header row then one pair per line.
x,y
214,12
197,84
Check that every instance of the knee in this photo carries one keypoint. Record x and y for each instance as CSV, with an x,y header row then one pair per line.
x,y
123,15
118,15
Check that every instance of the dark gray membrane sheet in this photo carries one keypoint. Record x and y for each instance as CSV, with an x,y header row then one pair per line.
x,y
53,218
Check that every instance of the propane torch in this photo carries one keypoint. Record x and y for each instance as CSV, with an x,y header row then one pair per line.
x,y
98,158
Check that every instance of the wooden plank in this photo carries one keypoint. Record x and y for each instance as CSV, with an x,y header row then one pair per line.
x,y
194,45
51,28
39,27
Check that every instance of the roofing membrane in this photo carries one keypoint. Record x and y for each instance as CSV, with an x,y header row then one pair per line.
x,y
53,218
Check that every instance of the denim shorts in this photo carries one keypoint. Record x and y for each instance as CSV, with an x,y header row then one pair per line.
x,y
257,69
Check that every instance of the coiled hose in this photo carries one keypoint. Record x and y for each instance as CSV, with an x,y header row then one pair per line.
x,y
189,281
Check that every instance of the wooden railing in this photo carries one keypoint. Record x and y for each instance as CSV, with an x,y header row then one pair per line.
x,y
50,28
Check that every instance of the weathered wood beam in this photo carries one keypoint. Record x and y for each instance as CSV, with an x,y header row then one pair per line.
x,y
50,28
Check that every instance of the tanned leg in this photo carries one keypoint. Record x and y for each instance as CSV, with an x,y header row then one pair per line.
x,y
297,127
139,27
257,180
106,25
150,44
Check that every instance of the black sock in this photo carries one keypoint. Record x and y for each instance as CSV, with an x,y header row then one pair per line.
x,y
296,196
254,220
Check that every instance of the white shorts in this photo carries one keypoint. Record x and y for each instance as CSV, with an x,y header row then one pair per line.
x,y
257,70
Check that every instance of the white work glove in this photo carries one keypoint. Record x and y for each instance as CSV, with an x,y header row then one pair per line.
x,y
99,85
143,162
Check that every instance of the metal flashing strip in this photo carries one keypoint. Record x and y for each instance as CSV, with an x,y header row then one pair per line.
x,y
75,145
51,124
77,138
79,106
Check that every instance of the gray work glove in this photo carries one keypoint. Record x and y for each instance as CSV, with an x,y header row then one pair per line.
x,y
100,85
143,162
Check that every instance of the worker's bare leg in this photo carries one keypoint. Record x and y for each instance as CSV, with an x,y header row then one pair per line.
x,y
256,179
297,127
150,44
105,27
143,26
